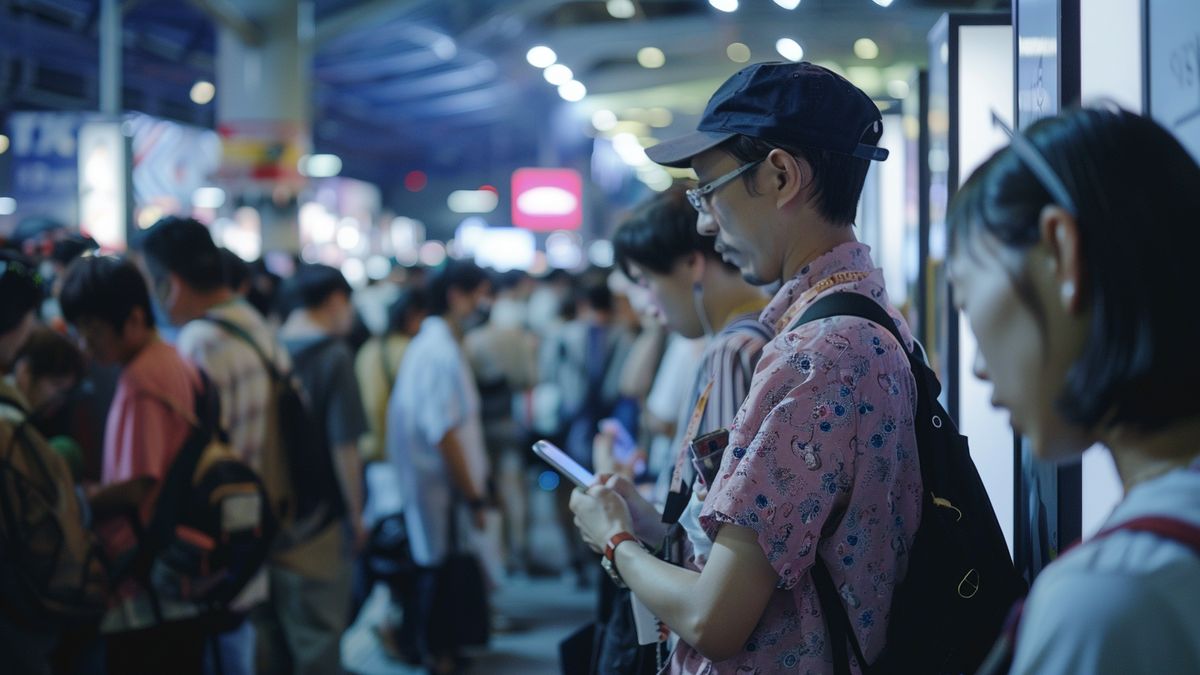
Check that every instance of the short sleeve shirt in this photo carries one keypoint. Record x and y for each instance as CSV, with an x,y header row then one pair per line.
x,y
822,460
326,369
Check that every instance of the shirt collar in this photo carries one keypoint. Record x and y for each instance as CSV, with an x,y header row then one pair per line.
x,y
849,257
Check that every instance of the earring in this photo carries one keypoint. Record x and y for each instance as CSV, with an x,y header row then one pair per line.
x,y
1068,291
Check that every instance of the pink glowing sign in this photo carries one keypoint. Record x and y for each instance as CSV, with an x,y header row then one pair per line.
x,y
547,199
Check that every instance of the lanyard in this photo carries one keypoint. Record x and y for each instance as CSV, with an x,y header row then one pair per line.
x,y
821,286
688,434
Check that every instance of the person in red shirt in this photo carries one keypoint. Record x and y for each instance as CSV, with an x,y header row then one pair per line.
x,y
107,303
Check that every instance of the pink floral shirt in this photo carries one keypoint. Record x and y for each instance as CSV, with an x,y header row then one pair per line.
x,y
822,460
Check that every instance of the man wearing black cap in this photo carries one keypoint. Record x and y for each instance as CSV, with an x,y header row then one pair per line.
x,y
821,469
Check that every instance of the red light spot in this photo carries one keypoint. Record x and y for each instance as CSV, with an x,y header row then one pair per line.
x,y
415,181
490,188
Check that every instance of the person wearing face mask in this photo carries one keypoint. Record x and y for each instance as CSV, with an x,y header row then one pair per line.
x,y
1083,314
820,468
696,295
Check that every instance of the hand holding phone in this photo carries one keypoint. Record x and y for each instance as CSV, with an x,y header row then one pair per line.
x,y
562,462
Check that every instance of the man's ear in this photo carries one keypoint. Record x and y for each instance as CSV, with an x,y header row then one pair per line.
x,y
789,176
1060,236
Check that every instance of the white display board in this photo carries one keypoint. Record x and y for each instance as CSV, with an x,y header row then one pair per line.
x,y
1173,68
985,84
1110,63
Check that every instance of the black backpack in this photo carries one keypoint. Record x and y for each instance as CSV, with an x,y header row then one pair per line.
x,y
298,467
961,582
210,528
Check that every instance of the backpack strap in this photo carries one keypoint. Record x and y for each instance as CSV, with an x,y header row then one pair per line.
x,y
244,335
841,631
1174,529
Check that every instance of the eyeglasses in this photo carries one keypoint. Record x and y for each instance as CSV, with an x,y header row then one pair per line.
x,y
1036,163
698,196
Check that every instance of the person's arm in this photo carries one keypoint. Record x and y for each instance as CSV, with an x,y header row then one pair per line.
x,y
714,611
460,472
349,466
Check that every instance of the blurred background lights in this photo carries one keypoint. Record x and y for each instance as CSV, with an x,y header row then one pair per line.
x,y
738,52
789,49
883,3
788,4
8,206
572,91
651,57
541,56
724,5
866,49
897,89
472,201
208,198
432,253
203,92
621,9
604,120
3,144
558,74
320,166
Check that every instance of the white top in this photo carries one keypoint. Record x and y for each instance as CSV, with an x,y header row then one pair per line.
x,y
1127,603
434,393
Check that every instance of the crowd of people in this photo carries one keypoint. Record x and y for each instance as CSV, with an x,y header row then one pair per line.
x,y
208,467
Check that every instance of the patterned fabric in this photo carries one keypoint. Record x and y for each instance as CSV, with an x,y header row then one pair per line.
x,y
237,372
822,460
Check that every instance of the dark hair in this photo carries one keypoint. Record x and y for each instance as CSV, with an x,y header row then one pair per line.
x,y
20,289
1137,192
463,275
104,288
409,302
660,232
313,284
837,179
236,271
50,354
597,295
184,247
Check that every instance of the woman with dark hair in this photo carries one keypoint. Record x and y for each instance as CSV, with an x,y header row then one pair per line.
x,y
1073,255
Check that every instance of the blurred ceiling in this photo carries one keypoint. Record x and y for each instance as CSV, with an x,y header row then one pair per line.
x,y
439,84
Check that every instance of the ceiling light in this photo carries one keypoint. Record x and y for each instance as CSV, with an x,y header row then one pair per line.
x,y
621,9
651,57
3,144
558,74
603,120
788,4
203,92
884,3
444,48
789,49
865,48
738,52
572,91
320,166
660,117
541,56
724,5
897,89
8,206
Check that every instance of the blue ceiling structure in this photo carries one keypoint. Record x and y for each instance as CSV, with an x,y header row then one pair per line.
x,y
397,85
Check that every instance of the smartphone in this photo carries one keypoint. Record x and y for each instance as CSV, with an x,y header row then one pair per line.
x,y
561,461
707,452
625,450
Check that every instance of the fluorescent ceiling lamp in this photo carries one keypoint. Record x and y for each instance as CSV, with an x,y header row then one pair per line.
x,y
208,198
651,57
572,91
738,52
724,5
558,74
472,201
866,49
621,9
320,166
789,49
884,3
541,56
788,4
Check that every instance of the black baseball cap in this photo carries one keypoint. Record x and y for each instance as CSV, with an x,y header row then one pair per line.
x,y
792,104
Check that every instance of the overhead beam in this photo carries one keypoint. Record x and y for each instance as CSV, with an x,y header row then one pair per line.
x,y
364,13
